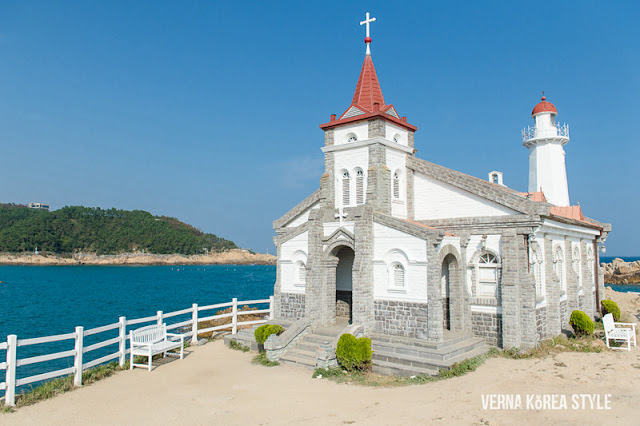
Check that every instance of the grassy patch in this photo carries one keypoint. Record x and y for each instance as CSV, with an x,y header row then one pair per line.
x,y
60,385
363,378
261,359
554,346
237,346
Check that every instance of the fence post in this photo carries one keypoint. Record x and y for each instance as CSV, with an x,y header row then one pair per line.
x,y
10,392
271,315
194,320
160,317
77,376
123,340
234,318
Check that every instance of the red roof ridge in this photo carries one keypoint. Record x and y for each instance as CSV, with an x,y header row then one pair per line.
x,y
568,212
537,196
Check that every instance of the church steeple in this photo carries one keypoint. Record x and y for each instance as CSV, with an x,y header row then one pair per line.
x,y
368,101
368,92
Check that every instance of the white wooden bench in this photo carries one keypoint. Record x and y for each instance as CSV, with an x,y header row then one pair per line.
x,y
624,333
151,340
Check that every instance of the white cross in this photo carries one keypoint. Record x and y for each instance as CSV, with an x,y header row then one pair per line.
x,y
341,215
366,22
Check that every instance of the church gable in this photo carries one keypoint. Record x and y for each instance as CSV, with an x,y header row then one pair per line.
x,y
300,213
435,199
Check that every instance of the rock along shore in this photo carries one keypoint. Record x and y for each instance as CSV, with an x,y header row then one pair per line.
x,y
231,257
621,272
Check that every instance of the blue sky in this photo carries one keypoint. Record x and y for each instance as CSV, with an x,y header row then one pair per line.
x,y
209,111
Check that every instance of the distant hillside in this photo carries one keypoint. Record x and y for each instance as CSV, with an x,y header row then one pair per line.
x,y
94,230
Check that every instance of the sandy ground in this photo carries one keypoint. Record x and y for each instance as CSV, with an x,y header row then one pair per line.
x,y
216,385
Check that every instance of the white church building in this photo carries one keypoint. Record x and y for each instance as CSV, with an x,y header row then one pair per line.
x,y
407,248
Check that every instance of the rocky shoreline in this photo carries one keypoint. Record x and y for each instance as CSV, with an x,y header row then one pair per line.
x,y
621,272
231,257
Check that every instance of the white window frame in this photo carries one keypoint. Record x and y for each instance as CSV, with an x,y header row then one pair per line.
x,y
487,261
345,188
360,186
393,270
559,268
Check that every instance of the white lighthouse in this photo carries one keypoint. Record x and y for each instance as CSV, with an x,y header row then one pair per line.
x,y
545,140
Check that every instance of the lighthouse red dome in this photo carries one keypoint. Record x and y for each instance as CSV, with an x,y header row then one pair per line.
x,y
544,106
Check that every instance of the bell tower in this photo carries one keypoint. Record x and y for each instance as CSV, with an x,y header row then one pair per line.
x,y
546,140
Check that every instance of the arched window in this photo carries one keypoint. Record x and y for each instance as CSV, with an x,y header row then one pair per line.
x,y
575,260
301,272
396,186
590,263
558,263
396,138
397,275
535,266
359,186
487,273
346,183
351,137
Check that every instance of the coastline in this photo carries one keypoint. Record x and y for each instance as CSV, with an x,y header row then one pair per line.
x,y
231,257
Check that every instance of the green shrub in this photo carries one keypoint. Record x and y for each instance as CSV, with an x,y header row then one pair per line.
x,y
354,354
581,323
611,307
263,332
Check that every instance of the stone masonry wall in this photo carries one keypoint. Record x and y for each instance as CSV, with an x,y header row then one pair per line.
x,y
292,305
564,313
541,321
487,326
343,303
401,318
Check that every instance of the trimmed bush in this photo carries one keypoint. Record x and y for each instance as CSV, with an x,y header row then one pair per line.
x,y
263,332
354,354
581,323
611,307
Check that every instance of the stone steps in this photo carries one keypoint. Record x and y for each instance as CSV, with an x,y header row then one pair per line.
x,y
407,357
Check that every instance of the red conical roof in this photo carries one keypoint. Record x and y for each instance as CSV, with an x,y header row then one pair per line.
x,y
544,106
368,91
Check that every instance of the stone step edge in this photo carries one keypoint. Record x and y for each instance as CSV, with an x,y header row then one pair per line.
x,y
408,341
432,362
400,369
441,354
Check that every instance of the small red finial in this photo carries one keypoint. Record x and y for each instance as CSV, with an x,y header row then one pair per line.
x,y
367,39
544,98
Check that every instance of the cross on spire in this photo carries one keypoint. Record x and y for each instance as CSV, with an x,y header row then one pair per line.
x,y
367,38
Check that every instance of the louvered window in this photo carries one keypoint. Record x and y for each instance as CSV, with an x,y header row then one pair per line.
x,y
359,187
302,272
396,186
345,189
398,275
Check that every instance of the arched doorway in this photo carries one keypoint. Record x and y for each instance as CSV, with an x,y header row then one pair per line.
x,y
445,279
344,283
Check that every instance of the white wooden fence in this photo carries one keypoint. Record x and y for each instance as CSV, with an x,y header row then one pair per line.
x,y
13,343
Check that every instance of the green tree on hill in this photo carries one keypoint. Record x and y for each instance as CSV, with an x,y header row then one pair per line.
x,y
95,230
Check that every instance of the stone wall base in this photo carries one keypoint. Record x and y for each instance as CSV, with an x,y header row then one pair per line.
x,y
488,326
541,322
292,305
343,303
401,318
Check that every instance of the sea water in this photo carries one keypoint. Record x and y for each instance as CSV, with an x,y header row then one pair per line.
x,y
38,301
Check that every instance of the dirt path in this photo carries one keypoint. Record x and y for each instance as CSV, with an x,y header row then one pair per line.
x,y
215,385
